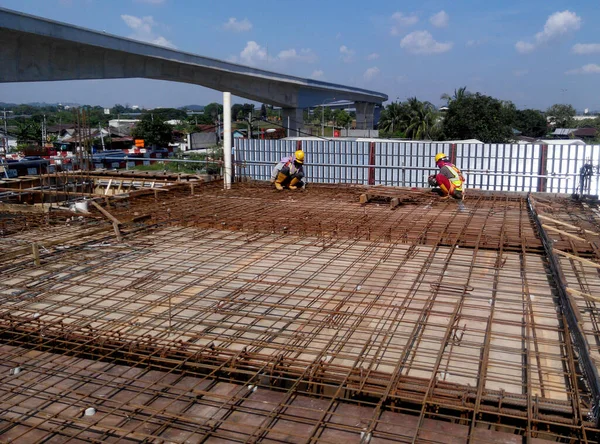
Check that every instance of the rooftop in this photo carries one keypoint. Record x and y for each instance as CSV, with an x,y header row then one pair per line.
x,y
187,313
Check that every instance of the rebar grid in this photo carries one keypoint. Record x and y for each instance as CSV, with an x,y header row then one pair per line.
x,y
578,224
317,311
335,211
262,334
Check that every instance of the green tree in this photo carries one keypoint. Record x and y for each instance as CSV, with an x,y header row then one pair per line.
x,y
531,123
422,120
394,119
477,116
168,114
342,118
28,131
459,94
155,132
213,110
561,116
236,111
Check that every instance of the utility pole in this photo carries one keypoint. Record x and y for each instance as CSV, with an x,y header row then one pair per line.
x,y
44,131
101,137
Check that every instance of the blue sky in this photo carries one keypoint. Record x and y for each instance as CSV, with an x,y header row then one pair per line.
x,y
534,53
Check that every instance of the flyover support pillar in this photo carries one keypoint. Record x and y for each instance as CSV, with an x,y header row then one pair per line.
x,y
364,115
227,140
293,120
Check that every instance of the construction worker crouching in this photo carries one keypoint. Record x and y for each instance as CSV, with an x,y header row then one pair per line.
x,y
289,172
450,180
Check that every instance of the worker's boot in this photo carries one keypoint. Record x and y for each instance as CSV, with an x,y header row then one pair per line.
x,y
280,178
293,183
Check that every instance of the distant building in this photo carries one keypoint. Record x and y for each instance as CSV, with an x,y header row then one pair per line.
x,y
575,133
7,142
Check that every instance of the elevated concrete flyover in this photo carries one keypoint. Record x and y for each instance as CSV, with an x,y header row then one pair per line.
x,y
37,49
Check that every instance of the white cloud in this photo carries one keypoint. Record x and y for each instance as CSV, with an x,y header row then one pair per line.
x,y
400,21
591,68
524,47
237,26
422,42
440,20
371,73
476,42
401,79
305,55
150,2
142,28
373,56
557,25
520,72
317,74
347,54
586,48
253,54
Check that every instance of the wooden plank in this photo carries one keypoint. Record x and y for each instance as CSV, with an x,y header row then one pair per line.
x,y
577,258
36,254
25,250
113,219
564,233
559,222
572,291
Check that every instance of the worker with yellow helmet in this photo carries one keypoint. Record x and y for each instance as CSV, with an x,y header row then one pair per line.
x,y
450,180
289,172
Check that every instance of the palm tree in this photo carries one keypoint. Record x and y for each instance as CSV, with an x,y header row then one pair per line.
x,y
394,118
423,120
459,94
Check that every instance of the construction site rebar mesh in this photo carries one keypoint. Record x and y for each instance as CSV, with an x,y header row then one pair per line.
x,y
249,315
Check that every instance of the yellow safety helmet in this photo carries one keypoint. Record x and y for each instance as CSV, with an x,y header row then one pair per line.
x,y
299,156
439,156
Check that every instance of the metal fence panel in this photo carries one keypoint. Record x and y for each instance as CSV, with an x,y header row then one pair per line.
x,y
500,167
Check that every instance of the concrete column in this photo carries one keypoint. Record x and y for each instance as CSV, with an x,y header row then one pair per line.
x,y
364,115
227,140
293,119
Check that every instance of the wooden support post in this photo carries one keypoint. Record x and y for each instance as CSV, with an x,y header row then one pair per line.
x,y
113,219
108,187
117,232
372,163
364,198
192,188
395,202
542,169
36,254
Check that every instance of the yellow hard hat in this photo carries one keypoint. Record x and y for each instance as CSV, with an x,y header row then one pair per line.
x,y
439,156
299,156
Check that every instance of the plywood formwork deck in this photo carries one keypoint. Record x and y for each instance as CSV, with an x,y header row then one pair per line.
x,y
435,324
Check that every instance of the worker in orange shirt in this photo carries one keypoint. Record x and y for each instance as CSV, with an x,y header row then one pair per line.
x,y
450,179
